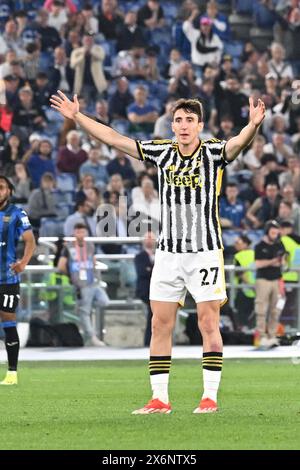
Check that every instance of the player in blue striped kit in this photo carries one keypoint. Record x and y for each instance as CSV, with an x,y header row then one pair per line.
x,y
14,224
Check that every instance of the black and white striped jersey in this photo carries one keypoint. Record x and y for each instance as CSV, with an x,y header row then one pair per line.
x,y
189,188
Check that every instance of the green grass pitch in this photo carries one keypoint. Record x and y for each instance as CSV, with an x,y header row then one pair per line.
x,y
87,405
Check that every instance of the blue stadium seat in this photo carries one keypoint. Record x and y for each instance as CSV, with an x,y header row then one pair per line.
x,y
263,17
158,89
170,12
229,237
134,83
180,41
133,5
5,13
120,125
255,236
109,47
79,3
64,210
161,35
51,227
63,197
242,178
235,49
55,122
225,6
244,7
66,182
296,262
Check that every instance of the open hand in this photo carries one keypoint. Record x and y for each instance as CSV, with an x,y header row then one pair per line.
x,y
256,113
66,107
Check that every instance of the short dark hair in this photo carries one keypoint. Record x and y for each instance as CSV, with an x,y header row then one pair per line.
x,y
226,117
272,183
89,33
286,203
80,201
268,157
79,226
41,76
87,6
286,224
20,14
270,224
47,176
190,106
8,182
10,78
233,76
245,239
31,47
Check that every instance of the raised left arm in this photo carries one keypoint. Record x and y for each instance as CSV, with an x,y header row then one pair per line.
x,y
236,144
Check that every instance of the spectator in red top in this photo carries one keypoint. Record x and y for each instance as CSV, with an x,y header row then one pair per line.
x,y
6,117
69,5
72,156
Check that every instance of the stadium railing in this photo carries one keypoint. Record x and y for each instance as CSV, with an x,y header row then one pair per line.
x,y
33,279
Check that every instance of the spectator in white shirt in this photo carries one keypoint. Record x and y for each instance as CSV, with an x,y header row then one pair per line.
x,y
282,71
58,15
252,159
162,128
206,46
90,21
148,202
5,67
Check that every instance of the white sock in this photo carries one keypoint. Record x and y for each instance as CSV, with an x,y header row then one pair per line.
x,y
159,386
211,382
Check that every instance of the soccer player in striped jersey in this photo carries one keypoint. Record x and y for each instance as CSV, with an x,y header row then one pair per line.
x,y
189,253
14,224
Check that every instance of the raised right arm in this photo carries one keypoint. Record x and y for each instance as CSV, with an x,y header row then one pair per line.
x,y
70,109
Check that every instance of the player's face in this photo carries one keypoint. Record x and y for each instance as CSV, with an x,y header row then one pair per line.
x,y
4,193
186,127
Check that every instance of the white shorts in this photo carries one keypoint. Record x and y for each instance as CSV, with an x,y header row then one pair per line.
x,y
202,274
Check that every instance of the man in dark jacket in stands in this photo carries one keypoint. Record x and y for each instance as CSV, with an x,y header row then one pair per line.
x,y
61,76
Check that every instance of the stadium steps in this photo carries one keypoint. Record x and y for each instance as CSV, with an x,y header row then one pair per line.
x,y
240,25
261,38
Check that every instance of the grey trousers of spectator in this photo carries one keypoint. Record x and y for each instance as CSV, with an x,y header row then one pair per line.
x,y
267,314
90,295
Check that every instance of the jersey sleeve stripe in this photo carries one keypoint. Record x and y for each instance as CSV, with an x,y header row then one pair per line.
x,y
140,151
223,154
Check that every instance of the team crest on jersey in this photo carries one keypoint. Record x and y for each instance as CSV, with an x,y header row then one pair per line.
x,y
6,218
177,178
25,220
